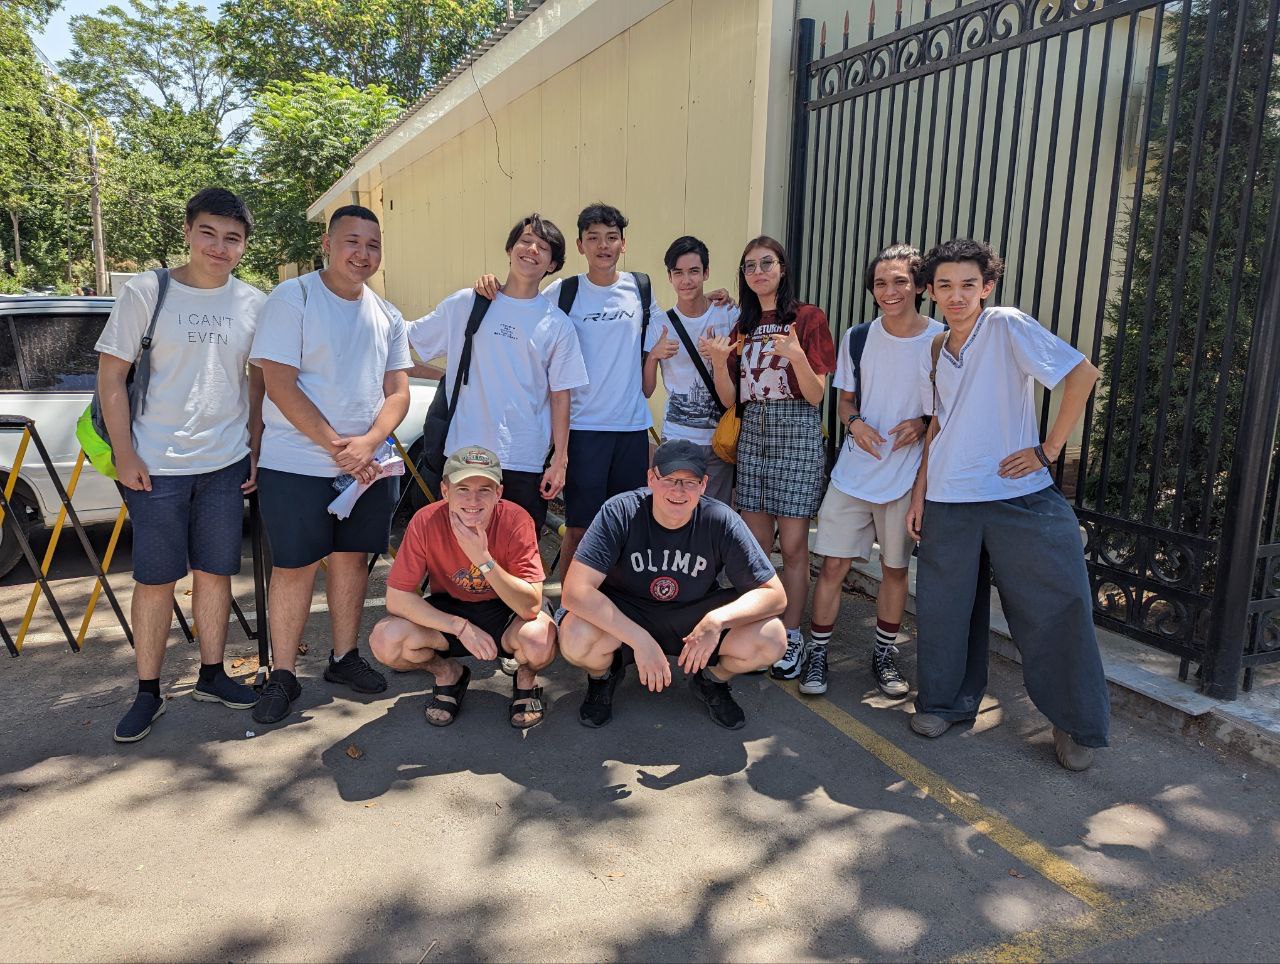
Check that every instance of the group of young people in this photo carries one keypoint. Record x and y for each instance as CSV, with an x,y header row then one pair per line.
x,y
663,555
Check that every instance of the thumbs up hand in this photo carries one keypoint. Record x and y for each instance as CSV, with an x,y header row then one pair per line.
x,y
666,346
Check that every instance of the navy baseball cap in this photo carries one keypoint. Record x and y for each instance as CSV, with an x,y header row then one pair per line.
x,y
680,454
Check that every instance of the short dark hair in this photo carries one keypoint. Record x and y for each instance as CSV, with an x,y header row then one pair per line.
x,y
352,211
600,213
963,249
220,203
544,229
686,245
898,251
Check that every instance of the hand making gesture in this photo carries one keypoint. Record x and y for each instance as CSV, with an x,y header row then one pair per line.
x,y
787,344
665,347
473,542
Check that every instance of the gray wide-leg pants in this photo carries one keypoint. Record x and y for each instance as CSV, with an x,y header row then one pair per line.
x,y
1032,544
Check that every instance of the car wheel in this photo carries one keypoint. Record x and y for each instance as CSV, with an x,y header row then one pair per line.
x,y
10,548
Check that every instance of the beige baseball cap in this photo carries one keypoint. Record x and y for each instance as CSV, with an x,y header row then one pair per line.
x,y
472,461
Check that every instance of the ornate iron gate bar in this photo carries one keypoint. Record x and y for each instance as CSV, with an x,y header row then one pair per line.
x,y
1120,156
918,51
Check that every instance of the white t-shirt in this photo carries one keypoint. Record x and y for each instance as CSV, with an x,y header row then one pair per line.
x,y
986,405
342,349
525,349
890,366
195,418
691,413
608,324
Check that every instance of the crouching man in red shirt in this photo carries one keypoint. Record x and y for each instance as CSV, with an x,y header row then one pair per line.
x,y
479,555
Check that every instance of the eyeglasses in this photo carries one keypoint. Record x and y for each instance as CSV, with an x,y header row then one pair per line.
x,y
764,265
680,484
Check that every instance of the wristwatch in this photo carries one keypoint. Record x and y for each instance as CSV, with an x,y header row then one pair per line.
x,y
487,567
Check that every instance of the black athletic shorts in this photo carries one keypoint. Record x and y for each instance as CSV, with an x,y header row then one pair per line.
x,y
602,464
670,623
525,490
302,531
491,615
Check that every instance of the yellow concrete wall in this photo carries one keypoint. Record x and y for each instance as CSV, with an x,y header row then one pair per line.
x,y
657,121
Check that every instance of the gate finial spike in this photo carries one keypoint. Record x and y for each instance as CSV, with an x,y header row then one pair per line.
x,y
822,41
871,14
846,30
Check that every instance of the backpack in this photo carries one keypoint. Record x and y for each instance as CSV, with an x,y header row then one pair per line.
x,y
569,294
91,427
435,429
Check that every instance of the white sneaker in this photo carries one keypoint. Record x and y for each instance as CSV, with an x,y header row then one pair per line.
x,y
793,659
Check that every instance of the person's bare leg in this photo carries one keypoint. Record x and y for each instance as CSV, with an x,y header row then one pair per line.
x,y
761,526
289,604
400,644
826,592
346,580
793,535
586,646
534,644
891,600
572,536
151,616
749,648
211,606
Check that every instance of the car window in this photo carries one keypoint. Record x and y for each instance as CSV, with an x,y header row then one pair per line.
x,y
10,380
55,352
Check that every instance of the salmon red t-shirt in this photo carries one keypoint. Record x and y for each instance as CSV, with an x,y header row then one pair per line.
x,y
430,548
765,376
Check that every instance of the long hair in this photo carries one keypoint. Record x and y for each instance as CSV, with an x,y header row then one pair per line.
x,y
749,303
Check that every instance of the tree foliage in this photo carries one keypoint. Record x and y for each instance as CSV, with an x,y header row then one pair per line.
x,y
405,44
307,131
1189,344
156,53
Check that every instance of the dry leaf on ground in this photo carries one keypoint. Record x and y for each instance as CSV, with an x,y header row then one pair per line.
x,y
354,752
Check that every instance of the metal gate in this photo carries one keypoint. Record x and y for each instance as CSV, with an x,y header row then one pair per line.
x,y
1122,156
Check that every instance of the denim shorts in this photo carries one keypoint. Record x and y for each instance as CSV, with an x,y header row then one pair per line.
x,y
194,521
302,531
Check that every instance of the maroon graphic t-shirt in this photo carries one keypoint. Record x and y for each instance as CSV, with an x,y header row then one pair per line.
x,y
764,376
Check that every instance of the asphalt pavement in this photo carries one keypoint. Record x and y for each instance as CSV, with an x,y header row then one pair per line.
x,y
824,829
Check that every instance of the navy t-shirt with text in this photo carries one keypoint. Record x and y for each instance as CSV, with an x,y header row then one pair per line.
x,y
646,561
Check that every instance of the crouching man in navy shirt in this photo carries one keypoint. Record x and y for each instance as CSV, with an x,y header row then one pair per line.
x,y
643,587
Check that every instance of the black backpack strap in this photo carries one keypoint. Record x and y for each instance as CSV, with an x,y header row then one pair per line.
x,y
479,305
857,345
645,287
695,356
568,294
162,289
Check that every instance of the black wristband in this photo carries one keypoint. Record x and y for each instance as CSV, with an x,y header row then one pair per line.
x,y
1044,459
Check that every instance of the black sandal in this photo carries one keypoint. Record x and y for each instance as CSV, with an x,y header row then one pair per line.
x,y
532,703
449,698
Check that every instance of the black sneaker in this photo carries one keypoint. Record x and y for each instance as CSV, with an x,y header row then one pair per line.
x,y
597,708
136,724
281,690
724,709
888,679
354,670
813,682
223,689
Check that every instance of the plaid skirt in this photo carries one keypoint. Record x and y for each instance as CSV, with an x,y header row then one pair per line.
x,y
781,463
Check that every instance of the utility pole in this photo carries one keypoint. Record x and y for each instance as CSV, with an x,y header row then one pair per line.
x,y
95,197
95,212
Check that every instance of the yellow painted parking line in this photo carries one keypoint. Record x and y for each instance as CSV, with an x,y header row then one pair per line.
x,y
983,819
1126,920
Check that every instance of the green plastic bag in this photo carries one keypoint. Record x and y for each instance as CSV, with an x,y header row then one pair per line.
x,y
96,448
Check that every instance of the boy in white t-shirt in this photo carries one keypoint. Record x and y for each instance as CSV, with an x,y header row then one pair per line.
x,y
693,406
335,359
189,457
870,488
525,358
984,493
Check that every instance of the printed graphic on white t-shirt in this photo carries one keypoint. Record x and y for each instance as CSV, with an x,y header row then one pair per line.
x,y
342,349
691,413
196,416
608,324
889,367
525,349
986,405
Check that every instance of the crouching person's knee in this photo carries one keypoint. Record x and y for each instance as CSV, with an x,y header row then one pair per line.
x,y
535,642
771,642
386,640
577,639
